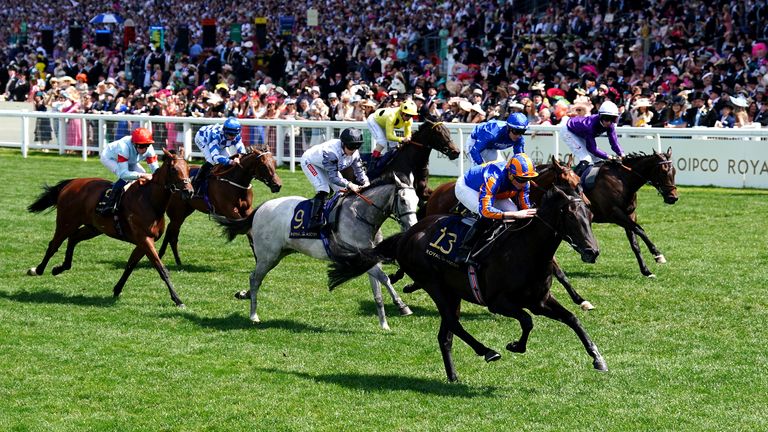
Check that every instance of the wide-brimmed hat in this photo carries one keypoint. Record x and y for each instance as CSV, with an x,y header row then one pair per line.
x,y
739,101
465,105
642,102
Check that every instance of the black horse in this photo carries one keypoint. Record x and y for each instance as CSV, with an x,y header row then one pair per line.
x,y
516,273
614,196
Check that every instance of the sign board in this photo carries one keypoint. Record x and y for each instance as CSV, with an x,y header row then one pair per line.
x,y
312,17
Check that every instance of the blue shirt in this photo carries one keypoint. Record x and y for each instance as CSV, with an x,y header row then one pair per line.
x,y
493,183
590,127
212,138
493,135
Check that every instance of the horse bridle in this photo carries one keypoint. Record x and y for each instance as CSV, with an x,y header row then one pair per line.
x,y
173,187
238,185
659,188
566,238
396,206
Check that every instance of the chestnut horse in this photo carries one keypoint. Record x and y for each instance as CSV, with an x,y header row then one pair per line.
x,y
141,217
443,200
515,274
230,194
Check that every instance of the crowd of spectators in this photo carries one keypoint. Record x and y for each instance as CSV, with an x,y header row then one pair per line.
x,y
666,64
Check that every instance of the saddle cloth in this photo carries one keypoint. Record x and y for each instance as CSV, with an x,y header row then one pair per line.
x,y
589,175
445,242
302,216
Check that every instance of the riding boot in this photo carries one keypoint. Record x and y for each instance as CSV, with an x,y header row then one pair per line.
x,y
318,202
202,173
465,253
111,199
580,167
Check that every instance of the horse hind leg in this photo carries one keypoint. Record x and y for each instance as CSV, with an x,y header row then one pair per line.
x,y
82,234
61,234
172,238
550,308
383,278
657,255
526,325
134,259
378,300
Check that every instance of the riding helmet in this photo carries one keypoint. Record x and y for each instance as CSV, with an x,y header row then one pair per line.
x,y
518,122
408,107
520,165
142,136
231,126
351,138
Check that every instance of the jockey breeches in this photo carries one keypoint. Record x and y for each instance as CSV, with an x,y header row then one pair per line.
x,y
470,198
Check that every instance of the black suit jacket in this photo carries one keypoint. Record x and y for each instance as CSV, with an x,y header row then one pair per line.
x,y
707,119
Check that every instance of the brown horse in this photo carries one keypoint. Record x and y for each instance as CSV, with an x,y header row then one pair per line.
x,y
230,194
614,196
443,200
141,217
516,274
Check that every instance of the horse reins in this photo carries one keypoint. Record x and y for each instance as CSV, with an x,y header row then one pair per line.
x,y
229,169
646,179
372,204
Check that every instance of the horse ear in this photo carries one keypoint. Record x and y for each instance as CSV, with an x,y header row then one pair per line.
x,y
569,161
654,151
167,153
669,151
554,160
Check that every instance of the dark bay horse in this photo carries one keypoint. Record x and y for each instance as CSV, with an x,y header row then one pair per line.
x,y
614,196
141,216
230,194
516,274
443,200
413,158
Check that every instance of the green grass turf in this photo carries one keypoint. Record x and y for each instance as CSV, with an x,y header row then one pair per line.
x,y
686,351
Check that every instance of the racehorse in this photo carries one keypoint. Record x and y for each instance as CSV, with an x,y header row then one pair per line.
x,y
139,220
413,157
230,194
515,274
614,196
443,200
357,226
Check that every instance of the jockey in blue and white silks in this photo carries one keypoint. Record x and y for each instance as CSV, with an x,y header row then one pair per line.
x,y
218,142
322,165
579,134
122,157
488,139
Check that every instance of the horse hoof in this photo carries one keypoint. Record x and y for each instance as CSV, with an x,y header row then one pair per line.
x,y
181,306
57,270
410,288
405,311
32,272
255,319
385,326
600,365
586,306
516,347
491,355
660,259
242,295
650,276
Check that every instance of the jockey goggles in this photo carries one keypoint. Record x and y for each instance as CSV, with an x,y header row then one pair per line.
x,y
608,118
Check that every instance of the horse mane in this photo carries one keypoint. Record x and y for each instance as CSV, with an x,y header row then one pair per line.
x,y
386,178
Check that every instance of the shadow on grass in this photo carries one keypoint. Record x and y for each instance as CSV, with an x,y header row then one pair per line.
x,y
53,297
387,383
167,260
241,322
368,307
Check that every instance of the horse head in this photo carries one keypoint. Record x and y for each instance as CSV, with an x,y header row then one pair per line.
x,y
435,135
392,194
261,165
568,215
177,176
656,169
406,202
559,174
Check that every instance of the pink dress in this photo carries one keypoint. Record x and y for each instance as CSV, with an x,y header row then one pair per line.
x,y
74,130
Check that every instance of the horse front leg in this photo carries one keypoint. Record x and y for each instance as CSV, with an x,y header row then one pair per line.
x,y
445,341
129,266
377,299
148,245
551,308
82,234
58,238
172,235
379,274
636,250
657,255
560,276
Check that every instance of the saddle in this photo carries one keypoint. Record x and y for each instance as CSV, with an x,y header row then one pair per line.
x,y
302,217
375,167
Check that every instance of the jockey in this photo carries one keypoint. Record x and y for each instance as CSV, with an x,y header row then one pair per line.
x,y
487,139
322,164
579,134
215,141
383,123
122,158
495,193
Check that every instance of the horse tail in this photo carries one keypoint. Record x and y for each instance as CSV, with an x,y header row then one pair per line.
x,y
49,198
234,227
352,266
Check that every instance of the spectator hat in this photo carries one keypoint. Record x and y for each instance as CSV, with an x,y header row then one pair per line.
x,y
82,77
368,103
333,95
477,91
642,103
513,86
281,91
272,100
739,101
478,109
355,98
465,105
538,86
290,101
315,89
418,97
